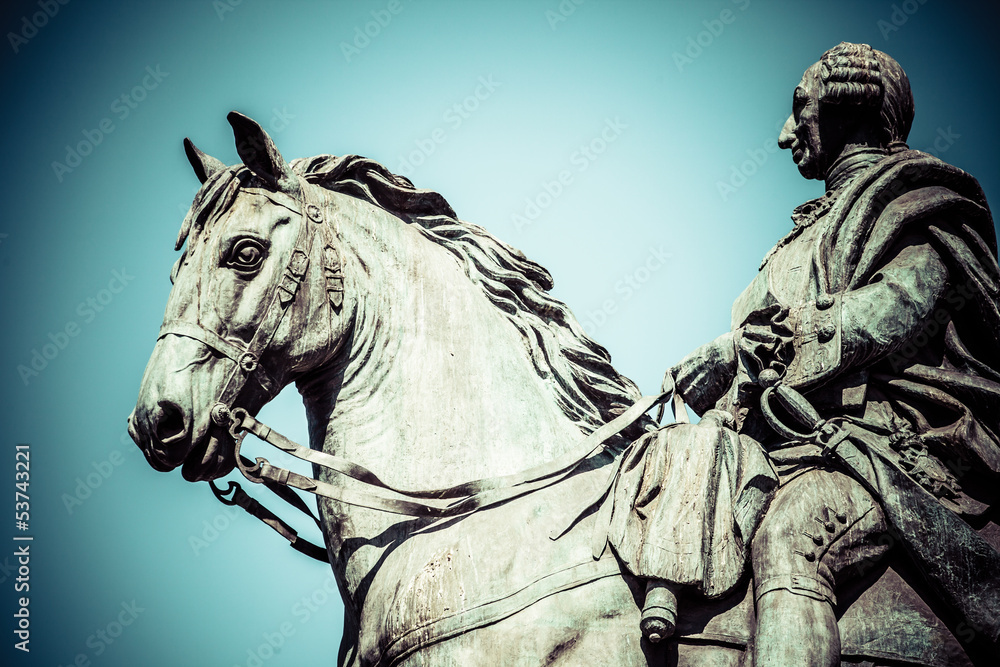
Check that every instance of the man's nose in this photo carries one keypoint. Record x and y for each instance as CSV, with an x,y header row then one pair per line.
x,y
787,134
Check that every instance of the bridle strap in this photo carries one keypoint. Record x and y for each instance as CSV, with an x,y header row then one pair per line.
x,y
213,340
254,508
246,356
281,298
238,352
468,497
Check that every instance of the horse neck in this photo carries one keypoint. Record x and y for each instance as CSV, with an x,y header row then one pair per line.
x,y
437,387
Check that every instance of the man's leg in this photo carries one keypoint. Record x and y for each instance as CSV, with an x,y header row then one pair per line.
x,y
793,629
819,524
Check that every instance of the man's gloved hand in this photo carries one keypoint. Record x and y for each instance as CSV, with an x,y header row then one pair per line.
x,y
765,341
703,376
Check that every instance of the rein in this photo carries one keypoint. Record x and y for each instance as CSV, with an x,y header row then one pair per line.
x,y
453,501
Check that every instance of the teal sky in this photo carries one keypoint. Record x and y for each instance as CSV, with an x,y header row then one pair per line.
x,y
626,146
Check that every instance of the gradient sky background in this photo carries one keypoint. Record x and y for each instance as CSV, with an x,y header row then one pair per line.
x,y
682,129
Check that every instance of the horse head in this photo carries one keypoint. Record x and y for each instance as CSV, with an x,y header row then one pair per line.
x,y
259,265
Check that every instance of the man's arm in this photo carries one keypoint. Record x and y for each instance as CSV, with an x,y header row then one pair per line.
x,y
865,325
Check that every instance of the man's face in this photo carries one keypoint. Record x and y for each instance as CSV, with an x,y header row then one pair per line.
x,y
801,133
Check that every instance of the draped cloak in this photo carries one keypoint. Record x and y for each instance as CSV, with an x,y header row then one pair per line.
x,y
945,381
933,389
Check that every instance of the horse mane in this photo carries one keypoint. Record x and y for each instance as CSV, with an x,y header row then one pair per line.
x,y
587,388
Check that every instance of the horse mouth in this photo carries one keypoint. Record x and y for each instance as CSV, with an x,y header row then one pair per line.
x,y
211,459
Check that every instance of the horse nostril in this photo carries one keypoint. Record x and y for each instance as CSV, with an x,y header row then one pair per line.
x,y
170,425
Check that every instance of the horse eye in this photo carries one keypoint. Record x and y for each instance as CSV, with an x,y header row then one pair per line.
x,y
246,255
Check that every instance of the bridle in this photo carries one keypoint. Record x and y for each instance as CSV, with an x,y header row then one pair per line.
x,y
246,356
246,359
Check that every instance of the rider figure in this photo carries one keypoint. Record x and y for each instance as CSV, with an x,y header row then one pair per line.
x,y
880,305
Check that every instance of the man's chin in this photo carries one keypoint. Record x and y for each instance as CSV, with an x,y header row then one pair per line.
x,y
810,170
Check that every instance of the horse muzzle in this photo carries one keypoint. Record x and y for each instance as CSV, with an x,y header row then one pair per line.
x,y
166,442
171,421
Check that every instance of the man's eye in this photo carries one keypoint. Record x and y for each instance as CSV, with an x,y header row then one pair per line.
x,y
246,255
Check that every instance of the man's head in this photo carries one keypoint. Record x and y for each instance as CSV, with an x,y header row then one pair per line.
x,y
853,95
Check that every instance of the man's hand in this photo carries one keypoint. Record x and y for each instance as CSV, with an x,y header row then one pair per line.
x,y
765,341
703,376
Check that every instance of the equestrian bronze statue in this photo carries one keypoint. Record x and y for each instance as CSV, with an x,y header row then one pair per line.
x,y
492,492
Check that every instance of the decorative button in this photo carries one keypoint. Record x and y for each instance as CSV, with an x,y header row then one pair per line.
x,y
824,301
220,414
829,526
810,556
818,540
248,363
314,213
841,517
825,332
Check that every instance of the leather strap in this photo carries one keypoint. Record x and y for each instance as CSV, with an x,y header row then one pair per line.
x,y
254,508
236,351
468,497
246,356
227,348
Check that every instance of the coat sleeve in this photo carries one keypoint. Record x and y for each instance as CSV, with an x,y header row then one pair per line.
x,y
837,334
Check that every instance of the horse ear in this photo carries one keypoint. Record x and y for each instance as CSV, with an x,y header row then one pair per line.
x,y
260,155
204,164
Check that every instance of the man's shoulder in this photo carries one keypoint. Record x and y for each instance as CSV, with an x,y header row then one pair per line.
x,y
910,175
